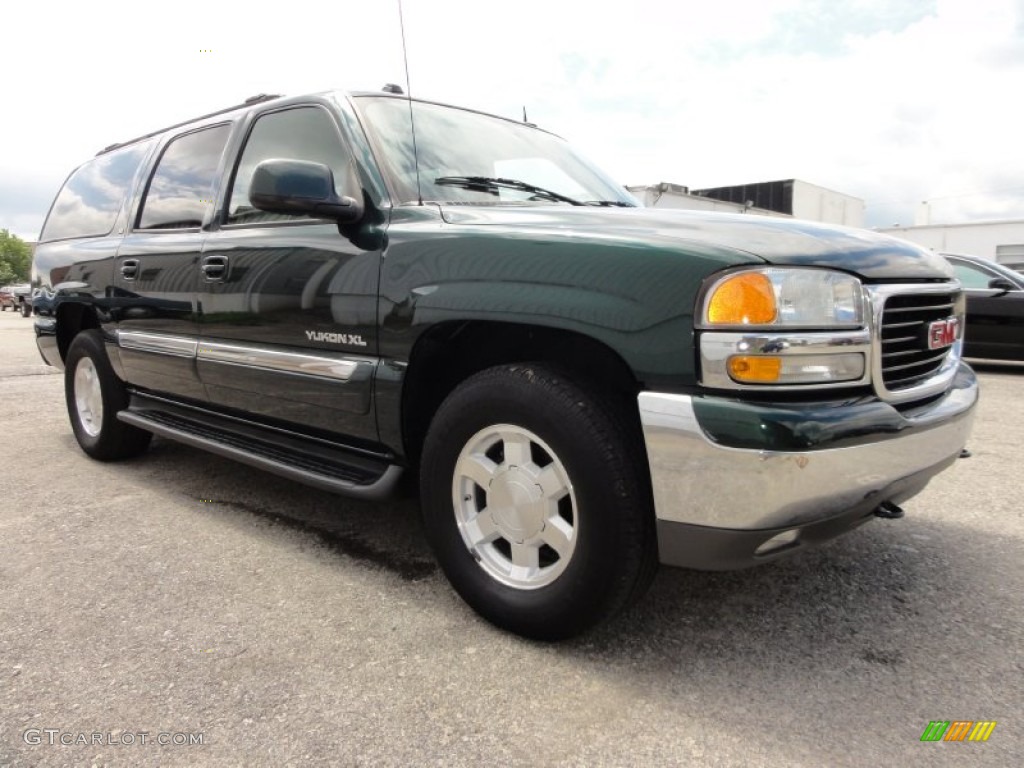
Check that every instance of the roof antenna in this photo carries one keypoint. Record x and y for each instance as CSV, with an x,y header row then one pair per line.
x,y
524,114
408,90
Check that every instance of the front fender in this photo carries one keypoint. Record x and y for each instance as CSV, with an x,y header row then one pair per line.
x,y
633,295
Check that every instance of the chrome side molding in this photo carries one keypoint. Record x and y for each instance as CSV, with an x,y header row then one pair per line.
x,y
159,343
339,368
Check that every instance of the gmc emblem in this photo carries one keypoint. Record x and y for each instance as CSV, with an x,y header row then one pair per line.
x,y
942,333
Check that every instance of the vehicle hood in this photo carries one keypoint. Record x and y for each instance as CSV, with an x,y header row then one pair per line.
x,y
873,256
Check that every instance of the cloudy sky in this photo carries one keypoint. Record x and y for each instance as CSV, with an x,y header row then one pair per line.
x,y
893,101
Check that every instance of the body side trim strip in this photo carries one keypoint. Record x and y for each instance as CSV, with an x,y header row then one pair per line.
x,y
179,346
322,366
340,368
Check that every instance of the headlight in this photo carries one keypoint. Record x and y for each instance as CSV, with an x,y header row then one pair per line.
x,y
784,297
787,327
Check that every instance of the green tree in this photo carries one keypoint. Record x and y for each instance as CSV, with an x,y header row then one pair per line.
x,y
15,258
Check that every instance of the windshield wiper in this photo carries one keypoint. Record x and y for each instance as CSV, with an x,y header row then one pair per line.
x,y
492,185
609,203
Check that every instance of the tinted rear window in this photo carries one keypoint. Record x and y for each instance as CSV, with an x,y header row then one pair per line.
x,y
88,203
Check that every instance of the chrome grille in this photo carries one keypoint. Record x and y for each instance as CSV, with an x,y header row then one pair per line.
x,y
906,359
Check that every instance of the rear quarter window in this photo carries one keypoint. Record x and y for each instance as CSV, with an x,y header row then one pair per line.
x,y
88,203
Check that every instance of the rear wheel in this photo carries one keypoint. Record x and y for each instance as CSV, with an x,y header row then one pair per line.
x,y
94,396
535,502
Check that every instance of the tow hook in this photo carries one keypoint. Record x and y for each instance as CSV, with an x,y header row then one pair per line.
x,y
889,511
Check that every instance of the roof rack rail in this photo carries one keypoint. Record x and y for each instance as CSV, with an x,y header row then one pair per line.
x,y
258,99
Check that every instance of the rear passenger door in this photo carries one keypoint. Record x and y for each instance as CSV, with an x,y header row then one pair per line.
x,y
288,303
157,267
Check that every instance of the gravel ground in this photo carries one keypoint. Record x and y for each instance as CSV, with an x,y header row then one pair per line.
x,y
186,595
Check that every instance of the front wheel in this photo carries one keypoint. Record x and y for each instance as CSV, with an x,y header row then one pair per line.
x,y
536,502
94,396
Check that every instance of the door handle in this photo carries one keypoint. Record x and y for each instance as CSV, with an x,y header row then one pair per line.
x,y
214,268
129,269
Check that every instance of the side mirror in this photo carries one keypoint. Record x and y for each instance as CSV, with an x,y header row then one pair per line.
x,y
1001,284
300,187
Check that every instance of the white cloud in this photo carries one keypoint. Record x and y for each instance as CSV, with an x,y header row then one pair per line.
x,y
895,101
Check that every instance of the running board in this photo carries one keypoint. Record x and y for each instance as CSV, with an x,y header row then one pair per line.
x,y
333,470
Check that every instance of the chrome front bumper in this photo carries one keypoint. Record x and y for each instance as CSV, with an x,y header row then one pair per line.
x,y
719,506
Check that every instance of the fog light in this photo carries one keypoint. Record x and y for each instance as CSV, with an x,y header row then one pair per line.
x,y
779,541
796,369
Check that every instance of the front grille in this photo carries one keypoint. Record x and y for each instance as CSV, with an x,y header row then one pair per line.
x,y
906,359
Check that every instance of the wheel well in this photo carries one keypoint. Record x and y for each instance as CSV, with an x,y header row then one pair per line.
x,y
72,319
450,353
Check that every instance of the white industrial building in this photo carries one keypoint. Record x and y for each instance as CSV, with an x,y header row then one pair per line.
x,y
788,197
666,195
1001,241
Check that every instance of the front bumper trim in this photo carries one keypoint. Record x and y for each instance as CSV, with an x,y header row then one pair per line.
x,y
757,494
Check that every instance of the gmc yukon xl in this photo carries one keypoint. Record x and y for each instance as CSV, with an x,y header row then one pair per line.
x,y
345,288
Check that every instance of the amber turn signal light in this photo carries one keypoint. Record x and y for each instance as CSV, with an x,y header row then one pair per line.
x,y
755,370
747,298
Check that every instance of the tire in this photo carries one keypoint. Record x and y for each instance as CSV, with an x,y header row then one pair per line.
x,y
536,501
94,396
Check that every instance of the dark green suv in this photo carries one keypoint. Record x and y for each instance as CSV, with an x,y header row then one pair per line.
x,y
584,388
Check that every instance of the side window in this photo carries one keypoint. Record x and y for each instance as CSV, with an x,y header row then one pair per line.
x,y
182,184
88,203
303,133
971,276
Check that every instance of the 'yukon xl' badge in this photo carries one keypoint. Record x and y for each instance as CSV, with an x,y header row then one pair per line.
x,y
942,333
336,338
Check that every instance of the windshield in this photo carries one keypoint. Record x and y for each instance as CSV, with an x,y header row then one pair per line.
x,y
456,143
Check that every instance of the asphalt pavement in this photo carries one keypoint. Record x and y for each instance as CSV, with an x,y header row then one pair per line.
x,y
182,609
